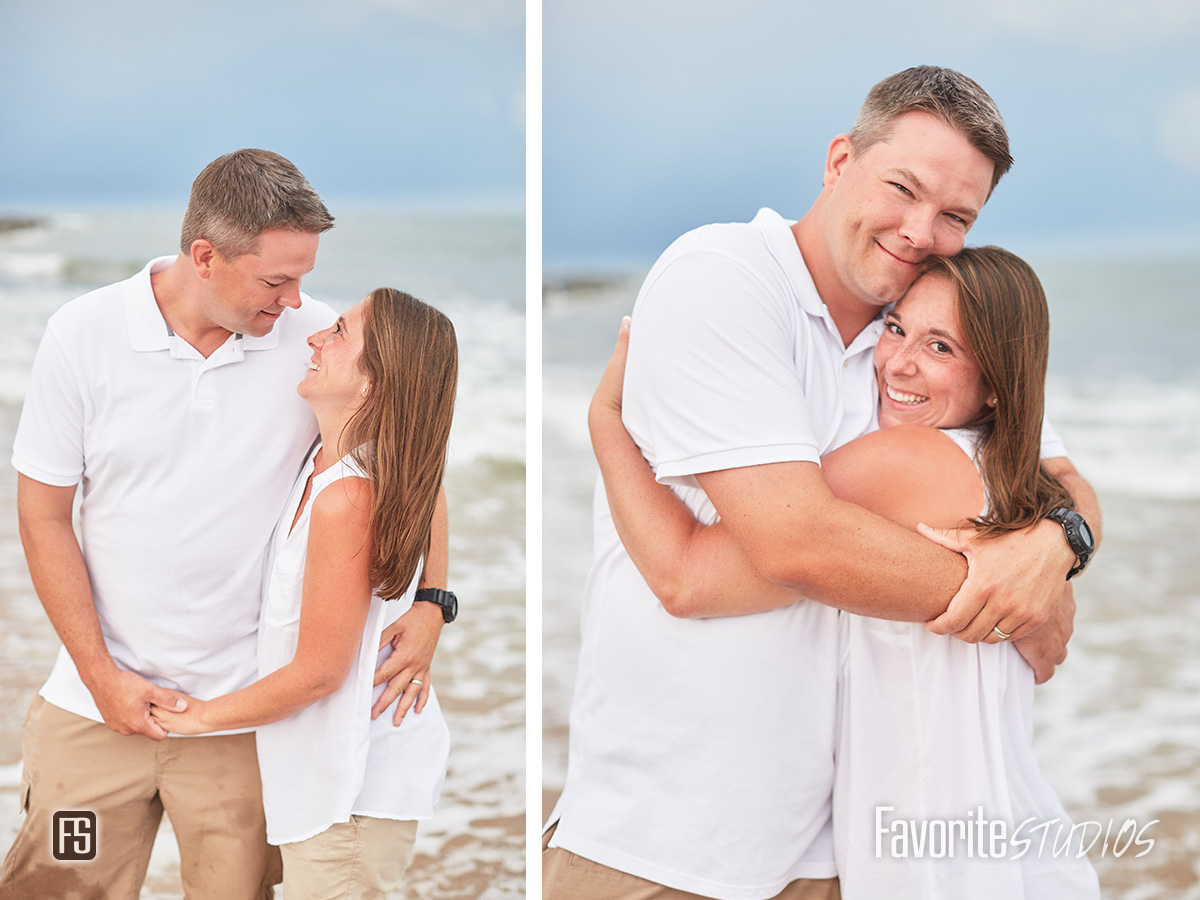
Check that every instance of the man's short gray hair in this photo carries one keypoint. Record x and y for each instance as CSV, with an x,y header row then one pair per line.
x,y
242,194
944,93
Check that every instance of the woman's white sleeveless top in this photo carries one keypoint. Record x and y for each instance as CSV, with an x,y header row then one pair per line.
x,y
331,761
935,735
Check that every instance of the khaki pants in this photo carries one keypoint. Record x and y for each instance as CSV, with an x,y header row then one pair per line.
x,y
566,876
209,786
363,859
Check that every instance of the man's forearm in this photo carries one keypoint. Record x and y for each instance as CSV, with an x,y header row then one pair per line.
x,y
61,580
870,566
830,550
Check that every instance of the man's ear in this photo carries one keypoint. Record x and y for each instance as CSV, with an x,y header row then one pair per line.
x,y
202,257
841,151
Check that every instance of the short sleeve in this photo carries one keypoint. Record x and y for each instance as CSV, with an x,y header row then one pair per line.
x,y
712,380
49,443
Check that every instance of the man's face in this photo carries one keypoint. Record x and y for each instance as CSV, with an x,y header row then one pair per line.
x,y
248,294
914,195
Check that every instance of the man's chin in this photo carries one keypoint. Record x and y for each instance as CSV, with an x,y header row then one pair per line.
x,y
260,325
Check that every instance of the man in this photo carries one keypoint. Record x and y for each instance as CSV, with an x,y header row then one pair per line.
x,y
701,751
171,398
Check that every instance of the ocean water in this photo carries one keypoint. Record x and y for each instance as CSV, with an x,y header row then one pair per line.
x,y
472,269
1118,727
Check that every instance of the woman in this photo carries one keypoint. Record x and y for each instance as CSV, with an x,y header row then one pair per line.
x,y
931,729
342,789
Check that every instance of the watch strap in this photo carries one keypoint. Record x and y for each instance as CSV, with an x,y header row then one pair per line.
x,y
446,600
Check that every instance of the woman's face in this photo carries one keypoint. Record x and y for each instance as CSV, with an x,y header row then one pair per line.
x,y
333,372
927,372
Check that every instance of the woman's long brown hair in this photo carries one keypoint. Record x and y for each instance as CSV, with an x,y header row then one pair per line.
x,y
400,435
1002,310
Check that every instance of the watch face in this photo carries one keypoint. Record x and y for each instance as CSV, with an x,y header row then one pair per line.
x,y
1086,534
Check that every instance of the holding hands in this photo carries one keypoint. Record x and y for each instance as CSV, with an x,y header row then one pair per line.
x,y
127,703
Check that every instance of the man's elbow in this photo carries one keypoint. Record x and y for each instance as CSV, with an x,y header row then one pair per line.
x,y
796,570
36,530
680,601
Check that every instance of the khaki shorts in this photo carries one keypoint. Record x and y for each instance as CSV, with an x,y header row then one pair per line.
x,y
363,859
209,786
566,876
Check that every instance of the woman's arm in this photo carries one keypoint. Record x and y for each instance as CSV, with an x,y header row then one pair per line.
x,y
333,613
905,474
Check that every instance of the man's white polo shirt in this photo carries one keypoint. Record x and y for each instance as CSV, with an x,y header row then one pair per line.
x,y
701,751
185,464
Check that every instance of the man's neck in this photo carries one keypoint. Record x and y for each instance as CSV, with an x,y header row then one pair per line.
x,y
176,294
849,314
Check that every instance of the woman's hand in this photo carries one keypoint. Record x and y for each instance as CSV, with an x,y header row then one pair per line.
x,y
414,638
191,721
605,411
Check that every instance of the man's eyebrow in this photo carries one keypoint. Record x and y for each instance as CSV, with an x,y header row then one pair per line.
x,y
288,276
910,175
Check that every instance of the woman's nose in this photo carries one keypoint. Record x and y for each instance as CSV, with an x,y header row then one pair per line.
x,y
900,362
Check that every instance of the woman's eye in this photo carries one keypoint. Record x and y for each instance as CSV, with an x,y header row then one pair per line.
x,y
941,347
894,328
901,188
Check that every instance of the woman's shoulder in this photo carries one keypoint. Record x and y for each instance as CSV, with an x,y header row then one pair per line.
x,y
909,474
346,499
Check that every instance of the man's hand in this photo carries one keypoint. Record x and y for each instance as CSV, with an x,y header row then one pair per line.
x,y
1013,581
414,638
1047,647
124,700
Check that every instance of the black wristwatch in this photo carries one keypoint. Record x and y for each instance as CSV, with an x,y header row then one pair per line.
x,y
445,599
1079,537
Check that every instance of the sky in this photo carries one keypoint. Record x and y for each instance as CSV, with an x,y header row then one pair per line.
x,y
377,101
662,115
